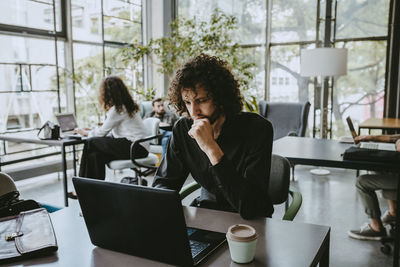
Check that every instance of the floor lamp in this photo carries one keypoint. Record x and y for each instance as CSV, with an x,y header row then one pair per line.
x,y
325,63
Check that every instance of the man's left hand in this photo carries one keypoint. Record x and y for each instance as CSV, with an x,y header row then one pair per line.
x,y
398,145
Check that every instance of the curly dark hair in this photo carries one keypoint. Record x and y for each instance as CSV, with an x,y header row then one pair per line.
x,y
213,75
113,92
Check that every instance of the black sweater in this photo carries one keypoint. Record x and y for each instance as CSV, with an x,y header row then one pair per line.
x,y
239,182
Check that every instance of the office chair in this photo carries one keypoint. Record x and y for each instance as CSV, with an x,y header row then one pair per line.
x,y
286,118
279,188
142,166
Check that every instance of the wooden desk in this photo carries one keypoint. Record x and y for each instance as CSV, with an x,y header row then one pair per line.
x,y
379,123
328,153
62,143
280,243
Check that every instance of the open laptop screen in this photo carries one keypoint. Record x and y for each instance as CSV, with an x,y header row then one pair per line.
x,y
67,122
351,126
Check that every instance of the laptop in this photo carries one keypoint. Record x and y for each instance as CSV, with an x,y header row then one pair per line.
x,y
67,124
142,221
369,145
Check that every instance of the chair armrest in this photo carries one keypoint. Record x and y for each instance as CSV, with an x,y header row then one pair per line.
x,y
188,189
294,207
141,141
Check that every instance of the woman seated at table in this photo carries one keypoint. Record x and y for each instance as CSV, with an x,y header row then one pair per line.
x,y
113,139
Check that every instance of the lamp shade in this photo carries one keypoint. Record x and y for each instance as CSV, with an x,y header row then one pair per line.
x,y
323,62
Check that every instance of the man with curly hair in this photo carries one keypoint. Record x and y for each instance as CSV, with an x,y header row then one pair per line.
x,y
227,151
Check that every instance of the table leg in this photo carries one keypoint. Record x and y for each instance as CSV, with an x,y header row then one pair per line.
x,y
324,262
64,170
74,159
397,230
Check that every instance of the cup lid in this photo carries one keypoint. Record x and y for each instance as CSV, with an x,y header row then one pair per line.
x,y
241,233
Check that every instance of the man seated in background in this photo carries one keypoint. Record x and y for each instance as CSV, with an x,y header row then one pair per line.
x,y
167,120
366,185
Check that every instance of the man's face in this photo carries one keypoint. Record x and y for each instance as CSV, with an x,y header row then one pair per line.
x,y
199,104
158,108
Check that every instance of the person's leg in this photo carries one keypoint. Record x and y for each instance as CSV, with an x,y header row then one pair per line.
x,y
98,151
164,141
366,186
389,193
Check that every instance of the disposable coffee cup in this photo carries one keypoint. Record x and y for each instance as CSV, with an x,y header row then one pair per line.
x,y
242,240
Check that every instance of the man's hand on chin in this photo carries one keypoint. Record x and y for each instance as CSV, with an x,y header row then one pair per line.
x,y
202,132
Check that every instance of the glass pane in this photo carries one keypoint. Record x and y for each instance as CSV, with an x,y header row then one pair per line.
x,y
26,110
250,15
123,9
86,20
130,72
44,78
286,84
8,77
88,62
256,55
32,14
121,30
26,50
360,93
293,20
362,18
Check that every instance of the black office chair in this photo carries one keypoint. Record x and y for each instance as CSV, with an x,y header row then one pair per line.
x,y
286,118
279,188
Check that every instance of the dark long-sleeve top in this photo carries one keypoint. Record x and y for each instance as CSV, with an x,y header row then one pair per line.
x,y
239,182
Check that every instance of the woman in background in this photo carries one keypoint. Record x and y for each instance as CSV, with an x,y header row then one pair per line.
x,y
113,139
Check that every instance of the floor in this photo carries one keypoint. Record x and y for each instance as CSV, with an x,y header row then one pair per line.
x,y
327,200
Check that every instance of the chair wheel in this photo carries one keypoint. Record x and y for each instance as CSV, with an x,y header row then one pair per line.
x,y
386,249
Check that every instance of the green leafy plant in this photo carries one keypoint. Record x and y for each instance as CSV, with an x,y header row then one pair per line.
x,y
188,38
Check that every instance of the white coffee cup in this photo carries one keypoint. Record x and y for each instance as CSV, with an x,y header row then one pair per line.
x,y
242,240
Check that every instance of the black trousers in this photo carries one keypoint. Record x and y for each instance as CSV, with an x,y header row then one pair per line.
x,y
98,151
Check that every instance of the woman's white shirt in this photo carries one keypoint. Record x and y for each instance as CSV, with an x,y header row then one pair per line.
x,y
122,126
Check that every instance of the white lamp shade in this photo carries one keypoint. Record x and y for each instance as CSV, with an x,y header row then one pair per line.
x,y
323,62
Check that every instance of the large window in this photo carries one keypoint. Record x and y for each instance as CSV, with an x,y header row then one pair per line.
x,y
100,30
361,26
30,93
36,81
250,34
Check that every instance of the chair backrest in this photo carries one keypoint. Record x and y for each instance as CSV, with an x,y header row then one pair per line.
x,y
145,107
6,184
286,118
152,127
279,179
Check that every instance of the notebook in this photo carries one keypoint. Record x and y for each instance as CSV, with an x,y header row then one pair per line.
x,y
67,124
142,221
370,145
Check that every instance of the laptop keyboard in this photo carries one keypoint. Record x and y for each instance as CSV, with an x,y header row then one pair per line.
x,y
196,247
370,145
